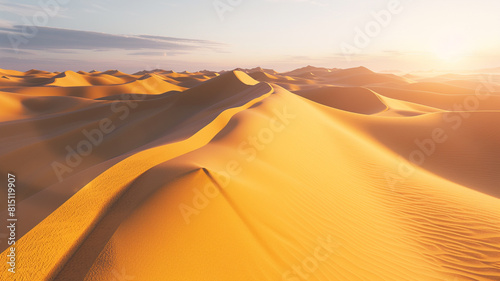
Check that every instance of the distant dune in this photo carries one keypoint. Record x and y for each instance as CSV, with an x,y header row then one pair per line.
x,y
251,174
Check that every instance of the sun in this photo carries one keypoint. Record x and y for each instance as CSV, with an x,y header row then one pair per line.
x,y
449,52
450,49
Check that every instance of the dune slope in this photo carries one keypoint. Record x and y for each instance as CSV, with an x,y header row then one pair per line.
x,y
204,176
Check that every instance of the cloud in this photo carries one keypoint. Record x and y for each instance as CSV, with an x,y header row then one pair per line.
x,y
12,51
48,38
18,8
60,49
5,23
29,10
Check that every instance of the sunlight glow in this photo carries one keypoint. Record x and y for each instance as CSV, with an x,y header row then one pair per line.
x,y
450,48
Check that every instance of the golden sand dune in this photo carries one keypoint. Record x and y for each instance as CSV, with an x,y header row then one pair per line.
x,y
318,71
314,174
141,85
69,78
479,99
362,76
347,98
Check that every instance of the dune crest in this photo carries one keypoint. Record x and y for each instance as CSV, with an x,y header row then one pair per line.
x,y
251,174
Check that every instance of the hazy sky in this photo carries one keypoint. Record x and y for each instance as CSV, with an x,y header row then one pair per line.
x,y
225,34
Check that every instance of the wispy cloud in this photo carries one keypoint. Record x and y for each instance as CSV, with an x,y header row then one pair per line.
x,y
13,52
24,10
48,38
5,23
60,49
18,9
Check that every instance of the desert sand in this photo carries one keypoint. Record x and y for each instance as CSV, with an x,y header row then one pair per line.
x,y
251,174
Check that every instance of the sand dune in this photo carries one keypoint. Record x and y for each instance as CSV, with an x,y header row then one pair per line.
x,y
94,87
362,76
319,71
313,174
483,99
347,99
69,78
257,69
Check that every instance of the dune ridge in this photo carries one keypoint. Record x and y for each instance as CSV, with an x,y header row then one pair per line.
x,y
251,174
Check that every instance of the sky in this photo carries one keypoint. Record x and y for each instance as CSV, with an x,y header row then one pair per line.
x,y
383,35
